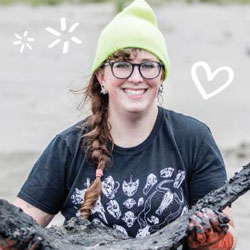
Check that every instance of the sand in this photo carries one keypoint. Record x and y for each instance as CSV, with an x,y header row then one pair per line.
x,y
35,104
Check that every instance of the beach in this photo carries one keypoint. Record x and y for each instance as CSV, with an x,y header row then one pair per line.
x,y
36,102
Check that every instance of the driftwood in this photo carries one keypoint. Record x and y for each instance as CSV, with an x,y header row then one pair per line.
x,y
78,234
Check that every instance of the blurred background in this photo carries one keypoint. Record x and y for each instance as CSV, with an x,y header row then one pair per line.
x,y
35,98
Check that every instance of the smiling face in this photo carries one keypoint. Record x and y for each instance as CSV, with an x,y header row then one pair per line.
x,y
134,94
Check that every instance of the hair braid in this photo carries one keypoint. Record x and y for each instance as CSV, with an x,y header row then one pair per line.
x,y
96,140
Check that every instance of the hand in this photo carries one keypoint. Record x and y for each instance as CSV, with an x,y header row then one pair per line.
x,y
206,228
6,244
12,244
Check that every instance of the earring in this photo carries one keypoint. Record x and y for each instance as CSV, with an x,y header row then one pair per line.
x,y
103,90
160,89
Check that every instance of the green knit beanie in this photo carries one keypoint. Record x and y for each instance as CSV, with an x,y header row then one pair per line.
x,y
134,27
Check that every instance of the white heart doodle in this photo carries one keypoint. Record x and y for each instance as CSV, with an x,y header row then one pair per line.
x,y
210,76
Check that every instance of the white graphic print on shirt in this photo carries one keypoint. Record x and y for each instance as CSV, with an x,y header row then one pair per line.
x,y
148,218
184,210
148,229
147,208
142,232
160,201
151,181
129,218
110,187
168,197
153,220
98,222
114,209
98,208
166,172
120,228
130,188
78,196
140,201
129,203
179,179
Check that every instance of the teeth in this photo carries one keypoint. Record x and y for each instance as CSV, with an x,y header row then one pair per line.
x,y
134,92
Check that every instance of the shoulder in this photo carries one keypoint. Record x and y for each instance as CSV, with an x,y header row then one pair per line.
x,y
70,137
184,125
76,129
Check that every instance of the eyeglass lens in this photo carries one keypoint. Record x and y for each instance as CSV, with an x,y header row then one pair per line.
x,y
147,69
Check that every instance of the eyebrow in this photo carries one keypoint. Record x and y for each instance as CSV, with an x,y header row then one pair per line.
x,y
145,60
148,59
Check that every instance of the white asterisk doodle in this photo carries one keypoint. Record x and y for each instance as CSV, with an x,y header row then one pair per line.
x,y
64,30
23,41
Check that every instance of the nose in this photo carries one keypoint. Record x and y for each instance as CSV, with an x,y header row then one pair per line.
x,y
136,75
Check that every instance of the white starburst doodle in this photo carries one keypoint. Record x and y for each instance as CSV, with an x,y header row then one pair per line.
x,y
64,30
23,40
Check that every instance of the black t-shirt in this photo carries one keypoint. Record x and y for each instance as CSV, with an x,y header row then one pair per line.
x,y
146,187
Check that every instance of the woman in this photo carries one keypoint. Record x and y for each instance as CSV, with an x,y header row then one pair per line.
x,y
131,165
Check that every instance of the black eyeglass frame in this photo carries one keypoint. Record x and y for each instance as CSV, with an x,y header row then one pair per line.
x,y
160,64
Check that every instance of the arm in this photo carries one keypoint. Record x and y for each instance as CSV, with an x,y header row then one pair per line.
x,y
208,173
41,217
231,229
44,192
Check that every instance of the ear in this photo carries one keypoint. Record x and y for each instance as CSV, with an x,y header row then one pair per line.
x,y
100,75
163,74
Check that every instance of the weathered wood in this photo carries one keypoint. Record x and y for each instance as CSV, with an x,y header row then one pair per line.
x,y
82,234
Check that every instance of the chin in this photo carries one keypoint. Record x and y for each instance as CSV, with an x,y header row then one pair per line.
x,y
136,108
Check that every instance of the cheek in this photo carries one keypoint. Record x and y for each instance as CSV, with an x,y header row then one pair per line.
x,y
114,87
154,85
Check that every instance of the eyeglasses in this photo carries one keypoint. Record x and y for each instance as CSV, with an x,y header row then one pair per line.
x,y
123,70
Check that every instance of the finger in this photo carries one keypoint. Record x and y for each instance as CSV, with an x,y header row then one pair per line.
x,y
191,236
200,234
204,220
206,223
217,230
35,245
223,221
218,220
199,214
195,219
214,221
196,232
217,226
190,230
223,218
196,240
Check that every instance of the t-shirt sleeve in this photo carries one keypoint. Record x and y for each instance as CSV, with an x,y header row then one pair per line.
x,y
208,171
45,186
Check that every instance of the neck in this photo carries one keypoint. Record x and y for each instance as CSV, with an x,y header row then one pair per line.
x,y
132,128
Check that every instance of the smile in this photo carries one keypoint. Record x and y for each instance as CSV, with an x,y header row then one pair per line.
x,y
135,92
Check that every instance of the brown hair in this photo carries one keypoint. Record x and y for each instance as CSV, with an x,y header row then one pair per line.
x,y
98,135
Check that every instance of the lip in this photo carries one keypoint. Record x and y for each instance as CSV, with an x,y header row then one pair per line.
x,y
135,88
